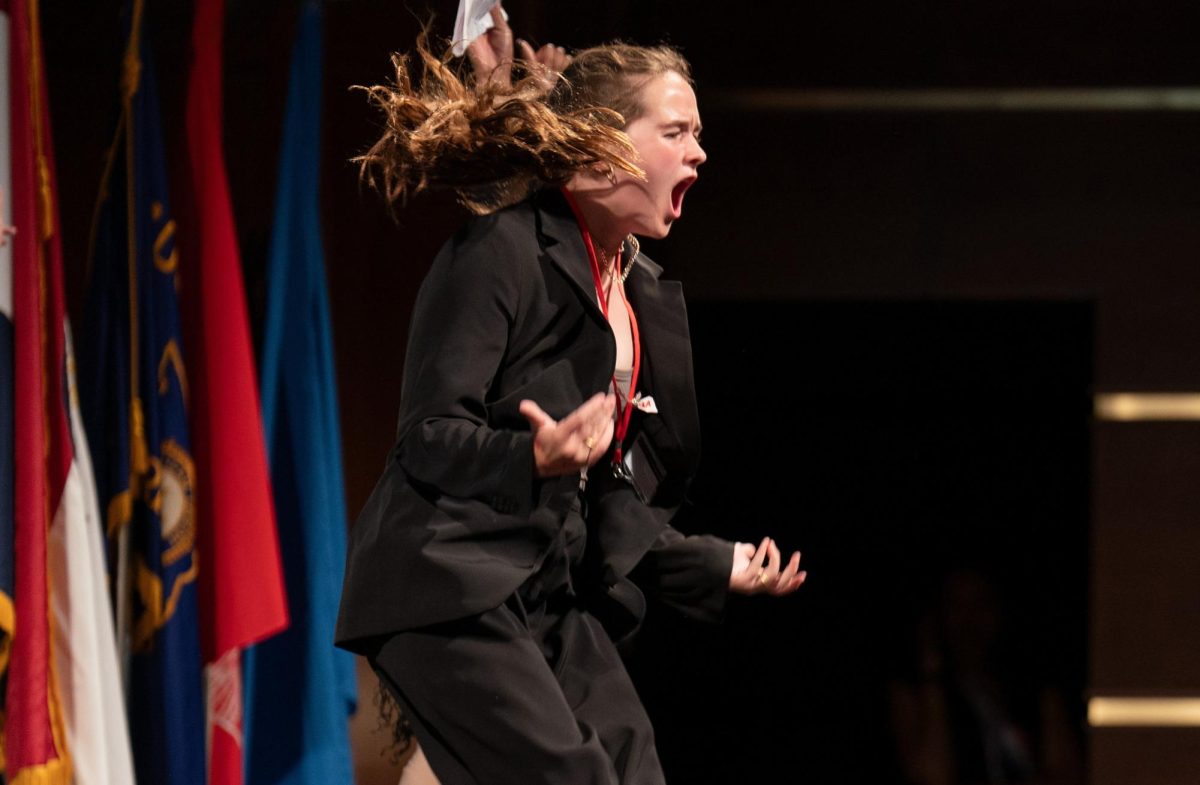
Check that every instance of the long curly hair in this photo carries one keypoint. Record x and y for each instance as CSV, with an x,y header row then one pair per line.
x,y
493,144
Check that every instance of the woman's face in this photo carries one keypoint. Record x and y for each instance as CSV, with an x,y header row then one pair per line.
x,y
667,137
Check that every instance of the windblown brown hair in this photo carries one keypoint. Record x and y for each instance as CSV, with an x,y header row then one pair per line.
x,y
493,144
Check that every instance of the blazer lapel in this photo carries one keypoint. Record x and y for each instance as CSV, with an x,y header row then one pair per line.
x,y
660,311
666,353
559,236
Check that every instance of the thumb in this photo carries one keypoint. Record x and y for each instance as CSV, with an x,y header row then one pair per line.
x,y
537,418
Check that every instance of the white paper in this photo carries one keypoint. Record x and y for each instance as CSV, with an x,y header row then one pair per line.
x,y
474,19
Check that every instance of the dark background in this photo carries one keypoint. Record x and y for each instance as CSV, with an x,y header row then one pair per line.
x,y
891,443
900,319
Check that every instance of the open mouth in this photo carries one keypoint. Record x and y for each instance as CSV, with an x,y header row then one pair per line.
x,y
677,195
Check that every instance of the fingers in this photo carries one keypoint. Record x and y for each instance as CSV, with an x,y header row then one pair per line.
x,y
580,439
756,570
498,19
558,59
592,424
770,574
546,63
790,579
787,577
760,555
478,51
527,53
792,568
748,568
765,572
590,418
599,405
760,570
538,419
553,57
600,442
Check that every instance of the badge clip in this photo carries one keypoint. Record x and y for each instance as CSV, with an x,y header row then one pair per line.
x,y
645,404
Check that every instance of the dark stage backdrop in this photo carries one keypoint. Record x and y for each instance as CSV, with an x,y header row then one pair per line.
x,y
896,444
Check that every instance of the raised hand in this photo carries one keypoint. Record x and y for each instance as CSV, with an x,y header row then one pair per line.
x,y
491,54
546,63
578,440
757,570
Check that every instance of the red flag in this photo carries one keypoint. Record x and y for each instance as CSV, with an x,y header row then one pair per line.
x,y
242,596
63,685
35,744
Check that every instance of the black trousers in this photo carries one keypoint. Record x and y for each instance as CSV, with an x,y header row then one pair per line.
x,y
531,692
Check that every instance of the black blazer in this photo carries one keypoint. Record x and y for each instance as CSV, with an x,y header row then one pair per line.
x,y
459,519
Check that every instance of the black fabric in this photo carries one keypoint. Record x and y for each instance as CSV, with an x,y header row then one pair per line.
x,y
488,599
532,692
459,520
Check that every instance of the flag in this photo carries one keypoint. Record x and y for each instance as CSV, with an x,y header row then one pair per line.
x,y
35,736
7,521
65,715
135,391
7,475
299,688
242,589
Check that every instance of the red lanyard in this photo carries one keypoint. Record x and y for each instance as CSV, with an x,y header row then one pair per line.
x,y
624,409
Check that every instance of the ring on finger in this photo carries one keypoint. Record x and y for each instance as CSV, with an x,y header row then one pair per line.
x,y
589,442
763,578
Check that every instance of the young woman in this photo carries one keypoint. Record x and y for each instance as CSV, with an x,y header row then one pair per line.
x,y
548,427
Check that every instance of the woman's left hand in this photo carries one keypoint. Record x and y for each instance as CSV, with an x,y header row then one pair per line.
x,y
491,54
757,570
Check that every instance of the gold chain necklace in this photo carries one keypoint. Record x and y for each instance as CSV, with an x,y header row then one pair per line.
x,y
634,247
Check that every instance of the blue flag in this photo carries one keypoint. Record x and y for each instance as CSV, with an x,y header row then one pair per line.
x,y
133,388
299,690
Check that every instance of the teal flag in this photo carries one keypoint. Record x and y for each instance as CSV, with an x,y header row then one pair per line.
x,y
299,690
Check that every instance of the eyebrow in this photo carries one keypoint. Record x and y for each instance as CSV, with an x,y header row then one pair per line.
x,y
683,124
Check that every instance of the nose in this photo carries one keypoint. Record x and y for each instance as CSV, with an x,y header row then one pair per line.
x,y
696,154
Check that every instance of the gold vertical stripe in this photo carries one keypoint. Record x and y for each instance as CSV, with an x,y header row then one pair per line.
x,y
1142,406
131,78
44,194
1114,712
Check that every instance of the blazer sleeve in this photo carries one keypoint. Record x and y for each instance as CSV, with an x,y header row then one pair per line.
x,y
688,573
458,338
634,540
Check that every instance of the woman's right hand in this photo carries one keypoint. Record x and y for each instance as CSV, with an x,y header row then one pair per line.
x,y
546,63
576,441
